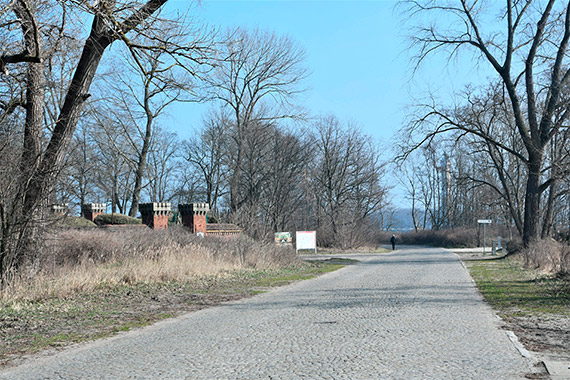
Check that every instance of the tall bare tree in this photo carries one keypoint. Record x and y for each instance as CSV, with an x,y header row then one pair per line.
x,y
29,29
346,180
527,49
258,77
206,153
164,165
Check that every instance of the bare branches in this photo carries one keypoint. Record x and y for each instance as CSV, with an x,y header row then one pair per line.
x,y
30,30
537,53
257,76
41,23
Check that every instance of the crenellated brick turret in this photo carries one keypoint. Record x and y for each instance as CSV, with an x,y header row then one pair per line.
x,y
194,216
60,208
91,210
155,215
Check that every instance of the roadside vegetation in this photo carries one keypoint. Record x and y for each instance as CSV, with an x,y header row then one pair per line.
x,y
533,302
95,283
448,238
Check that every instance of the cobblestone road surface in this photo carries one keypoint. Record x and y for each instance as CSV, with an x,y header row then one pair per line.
x,y
414,314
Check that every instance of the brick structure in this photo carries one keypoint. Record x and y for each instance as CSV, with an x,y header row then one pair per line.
x,y
60,209
194,216
91,210
223,229
155,215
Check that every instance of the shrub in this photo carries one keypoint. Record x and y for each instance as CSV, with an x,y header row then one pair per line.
x,y
116,219
548,255
514,245
458,237
65,250
450,238
74,221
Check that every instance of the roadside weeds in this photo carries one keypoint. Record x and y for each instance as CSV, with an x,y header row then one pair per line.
x,y
533,304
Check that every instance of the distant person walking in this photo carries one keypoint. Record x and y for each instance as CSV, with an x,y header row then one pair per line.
x,y
393,241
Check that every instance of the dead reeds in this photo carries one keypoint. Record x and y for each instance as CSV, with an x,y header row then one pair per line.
x,y
86,260
549,256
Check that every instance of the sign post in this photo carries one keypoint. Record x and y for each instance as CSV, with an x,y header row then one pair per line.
x,y
484,222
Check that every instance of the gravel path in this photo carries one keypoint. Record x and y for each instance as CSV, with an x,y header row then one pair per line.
x,y
413,314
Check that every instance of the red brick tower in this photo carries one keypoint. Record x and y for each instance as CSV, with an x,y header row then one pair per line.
x,y
194,216
155,214
91,210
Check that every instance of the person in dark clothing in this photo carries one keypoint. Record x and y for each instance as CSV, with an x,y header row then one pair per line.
x,y
393,241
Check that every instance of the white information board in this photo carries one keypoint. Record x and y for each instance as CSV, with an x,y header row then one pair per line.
x,y
306,240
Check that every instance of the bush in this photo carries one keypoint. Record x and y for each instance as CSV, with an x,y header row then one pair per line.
x,y
72,261
74,222
114,219
92,247
453,238
548,255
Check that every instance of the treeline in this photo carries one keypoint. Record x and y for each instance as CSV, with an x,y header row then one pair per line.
x,y
85,91
500,151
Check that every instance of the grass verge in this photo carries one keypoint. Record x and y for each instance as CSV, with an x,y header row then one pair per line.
x,y
534,305
28,327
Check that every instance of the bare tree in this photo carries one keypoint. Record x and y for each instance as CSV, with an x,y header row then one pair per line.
x,y
527,51
164,165
257,79
346,180
30,28
206,153
77,184
165,80
283,193
407,177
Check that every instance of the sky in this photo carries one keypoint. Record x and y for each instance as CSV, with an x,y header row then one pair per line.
x,y
352,54
356,53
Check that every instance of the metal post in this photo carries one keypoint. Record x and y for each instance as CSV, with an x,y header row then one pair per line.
x,y
484,237
484,222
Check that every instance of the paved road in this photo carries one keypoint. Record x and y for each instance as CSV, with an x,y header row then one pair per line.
x,y
413,314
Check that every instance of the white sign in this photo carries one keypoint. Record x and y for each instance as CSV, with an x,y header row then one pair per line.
x,y
306,240
484,221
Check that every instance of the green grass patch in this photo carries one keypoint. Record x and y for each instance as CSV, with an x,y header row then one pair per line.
x,y
515,290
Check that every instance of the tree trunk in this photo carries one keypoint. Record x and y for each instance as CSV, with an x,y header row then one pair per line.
x,y
234,183
548,222
141,167
532,200
38,171
69,115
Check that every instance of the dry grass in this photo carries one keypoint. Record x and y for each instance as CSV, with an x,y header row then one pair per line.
x,y
549,256
85,261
